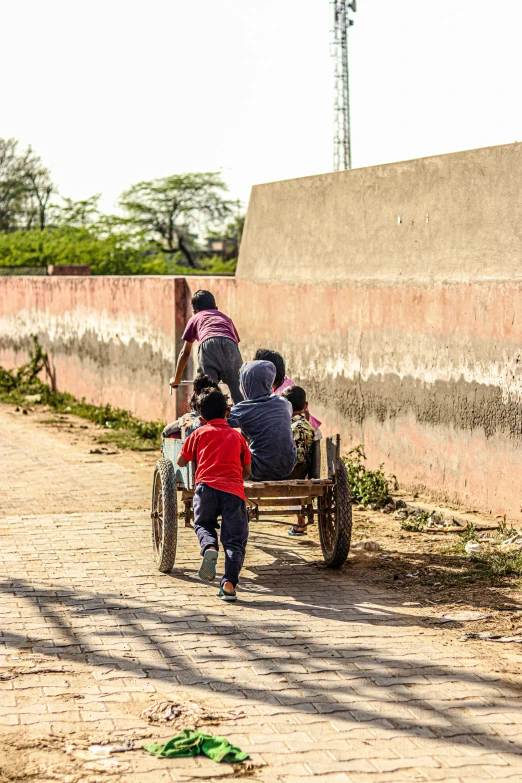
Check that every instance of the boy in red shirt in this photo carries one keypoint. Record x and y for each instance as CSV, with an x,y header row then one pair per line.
x,y
222,463
218,353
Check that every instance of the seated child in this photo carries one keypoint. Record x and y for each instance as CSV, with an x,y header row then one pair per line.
x,y
282,381
218,352
191,420
304,435
266,421
222,463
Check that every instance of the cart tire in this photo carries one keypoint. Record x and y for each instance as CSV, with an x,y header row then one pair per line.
x,y
164,516
335,520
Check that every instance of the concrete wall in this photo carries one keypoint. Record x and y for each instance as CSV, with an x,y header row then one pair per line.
x,y
406,335
450,217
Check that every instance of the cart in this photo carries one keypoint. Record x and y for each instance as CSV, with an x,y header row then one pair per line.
x,y
324,497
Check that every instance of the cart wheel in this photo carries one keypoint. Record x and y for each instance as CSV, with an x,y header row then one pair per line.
x,y
335,520
164,515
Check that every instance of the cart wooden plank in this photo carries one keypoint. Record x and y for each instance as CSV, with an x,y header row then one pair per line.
x,y
258,490
281,485
289,492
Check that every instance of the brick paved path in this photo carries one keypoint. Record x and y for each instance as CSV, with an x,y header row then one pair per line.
x,y
335,680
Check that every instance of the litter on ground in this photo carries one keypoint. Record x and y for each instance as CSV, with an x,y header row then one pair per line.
x,y
366,546
194,743
460,617
187,712
489,636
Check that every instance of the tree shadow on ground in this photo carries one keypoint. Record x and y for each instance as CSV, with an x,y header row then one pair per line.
x,y
384,575
279,658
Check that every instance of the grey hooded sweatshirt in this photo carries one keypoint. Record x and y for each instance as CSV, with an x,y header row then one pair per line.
x,y
266,421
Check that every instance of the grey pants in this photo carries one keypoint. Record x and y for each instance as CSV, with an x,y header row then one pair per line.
x,y
220,359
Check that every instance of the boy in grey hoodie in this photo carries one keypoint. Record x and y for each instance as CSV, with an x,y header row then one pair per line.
x,y
266,420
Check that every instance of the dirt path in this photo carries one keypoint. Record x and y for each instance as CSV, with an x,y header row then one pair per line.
x,y
314,673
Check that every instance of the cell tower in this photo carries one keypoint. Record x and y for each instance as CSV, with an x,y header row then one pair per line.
x,y
342,148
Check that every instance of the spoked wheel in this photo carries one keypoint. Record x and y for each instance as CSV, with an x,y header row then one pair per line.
x,y
335,519
164,515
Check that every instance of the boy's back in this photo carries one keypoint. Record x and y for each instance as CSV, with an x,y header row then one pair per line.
x,y
218,352
210,323
304,435
223,461
220,453
266,421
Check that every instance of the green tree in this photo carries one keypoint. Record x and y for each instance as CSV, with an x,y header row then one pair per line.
x,y
39,188
12,185
25,188
77,214
170,209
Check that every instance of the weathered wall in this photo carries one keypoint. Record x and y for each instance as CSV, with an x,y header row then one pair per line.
x,y
427,377
461,218
111,339
407,335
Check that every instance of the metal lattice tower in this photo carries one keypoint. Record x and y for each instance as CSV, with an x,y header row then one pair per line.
x,y
342,147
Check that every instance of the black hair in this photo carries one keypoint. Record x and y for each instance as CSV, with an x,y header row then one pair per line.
x,y
201,382
296,396
212,404
204,300
264,354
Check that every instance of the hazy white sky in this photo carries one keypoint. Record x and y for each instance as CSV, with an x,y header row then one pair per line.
x,y
111,92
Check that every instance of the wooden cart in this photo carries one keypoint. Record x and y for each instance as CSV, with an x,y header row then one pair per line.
x,y
324,499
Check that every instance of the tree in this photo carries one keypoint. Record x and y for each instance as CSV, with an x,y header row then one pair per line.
x,y
168,210
12,185
77,214
25,188
39,189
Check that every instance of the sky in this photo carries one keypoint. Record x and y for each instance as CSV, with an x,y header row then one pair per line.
x,y
113,92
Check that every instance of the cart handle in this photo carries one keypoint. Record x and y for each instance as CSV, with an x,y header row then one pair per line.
x,y
181,383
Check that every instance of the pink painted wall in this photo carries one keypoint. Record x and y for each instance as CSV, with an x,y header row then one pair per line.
x,y
426,376
111,339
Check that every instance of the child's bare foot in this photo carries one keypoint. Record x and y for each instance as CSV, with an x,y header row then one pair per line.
x,y
228,587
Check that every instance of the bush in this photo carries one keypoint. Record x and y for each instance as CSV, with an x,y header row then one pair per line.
x,y
368,487
110,253
416,522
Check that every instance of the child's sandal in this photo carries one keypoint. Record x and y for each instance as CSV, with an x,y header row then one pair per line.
x,y
294,532
207,569
226,596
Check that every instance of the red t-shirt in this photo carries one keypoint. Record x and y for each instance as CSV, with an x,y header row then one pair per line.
x,y
209,323
220,453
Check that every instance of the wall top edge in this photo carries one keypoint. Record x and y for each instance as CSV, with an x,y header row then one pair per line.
x,y
384,281
443,156
116,277
363,282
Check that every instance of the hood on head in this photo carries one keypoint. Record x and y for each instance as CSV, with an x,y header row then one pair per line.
x,y
256,379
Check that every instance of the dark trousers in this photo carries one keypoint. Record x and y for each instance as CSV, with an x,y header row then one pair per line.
x,y
220,359
209,504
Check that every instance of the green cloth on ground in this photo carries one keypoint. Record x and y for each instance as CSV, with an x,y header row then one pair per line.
x,y
193,743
